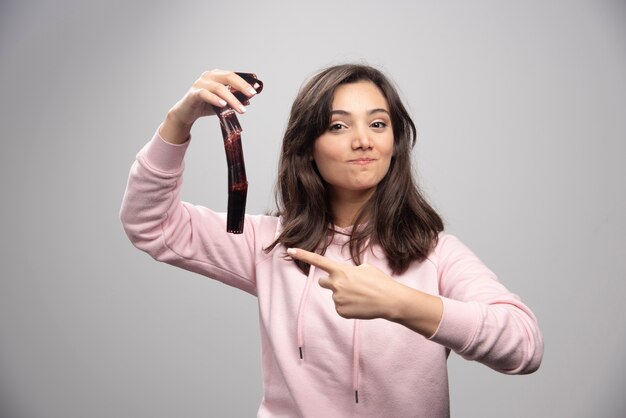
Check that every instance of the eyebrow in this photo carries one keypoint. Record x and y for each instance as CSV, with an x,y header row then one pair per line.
x,y
370,112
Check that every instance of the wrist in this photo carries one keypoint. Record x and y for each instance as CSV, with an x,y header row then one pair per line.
x,y
396,297
416,310
174,130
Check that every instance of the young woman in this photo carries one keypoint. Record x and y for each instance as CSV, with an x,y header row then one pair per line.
x,y
361,293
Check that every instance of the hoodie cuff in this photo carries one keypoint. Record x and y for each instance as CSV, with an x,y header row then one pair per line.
x,y
459,324
163,156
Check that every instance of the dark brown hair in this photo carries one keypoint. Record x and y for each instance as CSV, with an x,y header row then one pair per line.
x,y
397,217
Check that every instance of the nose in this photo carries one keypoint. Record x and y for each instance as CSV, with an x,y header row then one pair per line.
x,y
361,139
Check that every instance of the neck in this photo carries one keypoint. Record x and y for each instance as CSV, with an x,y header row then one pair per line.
x,y
346,207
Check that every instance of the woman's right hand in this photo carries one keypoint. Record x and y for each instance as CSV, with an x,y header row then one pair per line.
x,y
211,89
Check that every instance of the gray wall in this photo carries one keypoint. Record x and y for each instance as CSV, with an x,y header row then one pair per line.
x,y
521,112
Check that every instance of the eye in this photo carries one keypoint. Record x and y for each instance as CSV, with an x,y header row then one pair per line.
x,y
378,124
336,127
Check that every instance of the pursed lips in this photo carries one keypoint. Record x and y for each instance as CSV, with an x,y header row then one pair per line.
x,y
362,160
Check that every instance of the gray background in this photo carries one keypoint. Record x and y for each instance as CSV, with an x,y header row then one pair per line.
x,y
521,112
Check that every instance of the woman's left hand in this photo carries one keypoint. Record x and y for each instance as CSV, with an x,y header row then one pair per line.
x,y
365,292
360,292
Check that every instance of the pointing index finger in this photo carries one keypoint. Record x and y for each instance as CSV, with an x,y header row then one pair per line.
x,y
317,260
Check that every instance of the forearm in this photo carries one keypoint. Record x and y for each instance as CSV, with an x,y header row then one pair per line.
x,y
174,131
502,333
416,310
152,191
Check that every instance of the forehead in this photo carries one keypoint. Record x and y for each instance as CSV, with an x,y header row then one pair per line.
x,y
362,94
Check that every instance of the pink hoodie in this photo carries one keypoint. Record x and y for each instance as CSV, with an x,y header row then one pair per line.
x,y
316,363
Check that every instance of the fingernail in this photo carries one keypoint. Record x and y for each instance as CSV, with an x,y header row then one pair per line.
x,y
291,251
242,109
251,90
222,103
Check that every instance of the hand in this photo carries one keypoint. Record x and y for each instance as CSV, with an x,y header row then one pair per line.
x,y
362,292
211,89
365,292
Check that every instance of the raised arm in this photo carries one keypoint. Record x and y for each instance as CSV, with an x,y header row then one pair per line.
x,y
158,222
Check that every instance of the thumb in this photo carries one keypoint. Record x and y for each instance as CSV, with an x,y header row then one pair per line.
x,y
326,283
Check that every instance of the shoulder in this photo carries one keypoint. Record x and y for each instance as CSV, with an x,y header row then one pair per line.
x,y
445,243
264,228
448,249
457,264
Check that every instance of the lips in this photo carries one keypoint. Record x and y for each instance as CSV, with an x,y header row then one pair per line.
x,y
362,161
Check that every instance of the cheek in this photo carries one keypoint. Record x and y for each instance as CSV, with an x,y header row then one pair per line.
x,y
388,148
319,163
324,167
390,153
323,156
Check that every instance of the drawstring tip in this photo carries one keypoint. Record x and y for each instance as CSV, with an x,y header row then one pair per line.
x,y
300,349
356,396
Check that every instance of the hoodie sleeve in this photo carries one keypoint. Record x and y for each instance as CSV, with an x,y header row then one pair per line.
x,y
481,319
178,233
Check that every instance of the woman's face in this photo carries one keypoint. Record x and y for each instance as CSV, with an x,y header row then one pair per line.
x,y
354,153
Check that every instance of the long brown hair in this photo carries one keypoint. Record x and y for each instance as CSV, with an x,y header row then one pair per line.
x,y
396,217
